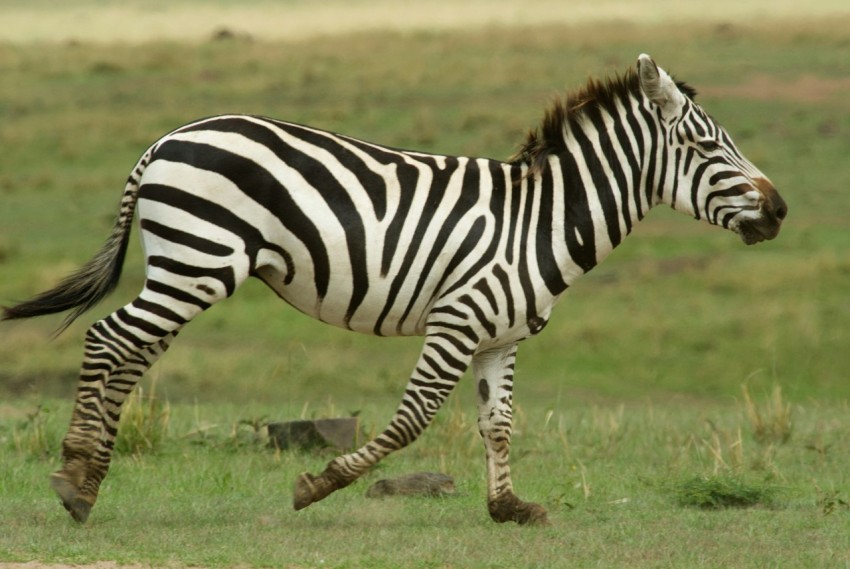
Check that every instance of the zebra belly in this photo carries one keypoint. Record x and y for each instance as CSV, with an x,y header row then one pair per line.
x,y
375,315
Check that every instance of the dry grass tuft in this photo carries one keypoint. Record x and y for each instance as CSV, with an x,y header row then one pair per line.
x,y
771,422
726,449
144,422
33,435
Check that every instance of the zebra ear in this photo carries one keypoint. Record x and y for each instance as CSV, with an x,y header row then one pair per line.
x,y
657,85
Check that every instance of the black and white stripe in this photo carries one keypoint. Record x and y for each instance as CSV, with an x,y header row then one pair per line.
x,y
469,252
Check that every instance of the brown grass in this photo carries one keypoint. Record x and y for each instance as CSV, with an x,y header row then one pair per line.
x,y
771,421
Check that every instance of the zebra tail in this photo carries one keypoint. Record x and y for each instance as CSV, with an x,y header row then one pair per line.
x,y
92,282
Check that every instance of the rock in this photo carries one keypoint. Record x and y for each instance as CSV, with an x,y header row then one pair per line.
x,y
417,484
340,433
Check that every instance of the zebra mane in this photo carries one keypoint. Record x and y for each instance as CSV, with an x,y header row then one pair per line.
x,y
566,111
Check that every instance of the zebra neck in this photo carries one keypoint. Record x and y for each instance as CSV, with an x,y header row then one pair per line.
x,y
594,205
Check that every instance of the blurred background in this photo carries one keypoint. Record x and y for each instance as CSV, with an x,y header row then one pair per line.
x,y
681,312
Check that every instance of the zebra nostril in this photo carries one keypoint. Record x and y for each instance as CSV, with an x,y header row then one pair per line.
x,y
781,212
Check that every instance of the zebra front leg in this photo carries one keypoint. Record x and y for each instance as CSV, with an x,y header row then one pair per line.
x,y
444,358
493,371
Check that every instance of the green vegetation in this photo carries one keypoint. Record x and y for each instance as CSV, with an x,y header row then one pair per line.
x,y
715,492
144,423
629,401
619,482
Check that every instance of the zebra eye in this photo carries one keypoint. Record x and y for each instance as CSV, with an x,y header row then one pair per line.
x,y
708,145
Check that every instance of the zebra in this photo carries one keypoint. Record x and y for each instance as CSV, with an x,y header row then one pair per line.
x,y
470,253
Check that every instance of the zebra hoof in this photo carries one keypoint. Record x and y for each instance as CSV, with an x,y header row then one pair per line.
x,y
78,507
305,490
534,515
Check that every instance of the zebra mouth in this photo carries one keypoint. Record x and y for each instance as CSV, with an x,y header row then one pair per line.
x,y
753,232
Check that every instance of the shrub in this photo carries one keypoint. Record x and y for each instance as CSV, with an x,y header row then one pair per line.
x,y
724,491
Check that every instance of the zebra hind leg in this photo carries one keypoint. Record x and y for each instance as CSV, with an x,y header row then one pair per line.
x,y
443,360
118,351
79,446
86,460
493,371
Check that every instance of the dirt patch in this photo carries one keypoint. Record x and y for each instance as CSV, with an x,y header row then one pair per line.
x,y
803,89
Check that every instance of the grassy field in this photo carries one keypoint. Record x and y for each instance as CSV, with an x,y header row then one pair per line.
x,y
633,391
615,480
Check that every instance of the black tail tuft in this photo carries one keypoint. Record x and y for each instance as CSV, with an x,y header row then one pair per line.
x,y
81,290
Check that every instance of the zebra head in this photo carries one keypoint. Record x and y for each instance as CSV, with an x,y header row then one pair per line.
x,y
707,176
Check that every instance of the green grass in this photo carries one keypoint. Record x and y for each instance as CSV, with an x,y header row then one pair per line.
x,y
612,477
634,388
716,492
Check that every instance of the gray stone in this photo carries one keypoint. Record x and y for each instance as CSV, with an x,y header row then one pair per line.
x,y
340,433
